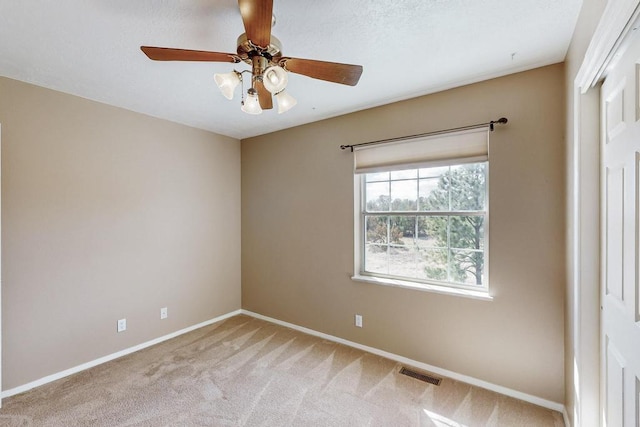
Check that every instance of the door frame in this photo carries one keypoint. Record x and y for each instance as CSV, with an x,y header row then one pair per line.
x,y
584,242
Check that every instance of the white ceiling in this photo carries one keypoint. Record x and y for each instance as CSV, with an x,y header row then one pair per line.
x,y
408,48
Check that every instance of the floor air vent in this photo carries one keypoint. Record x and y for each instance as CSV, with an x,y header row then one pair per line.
x,y
420,376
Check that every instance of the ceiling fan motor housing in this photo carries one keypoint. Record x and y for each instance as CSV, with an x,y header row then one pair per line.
x,y
247,50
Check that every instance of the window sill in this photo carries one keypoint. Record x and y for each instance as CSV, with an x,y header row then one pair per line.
x,y
445,290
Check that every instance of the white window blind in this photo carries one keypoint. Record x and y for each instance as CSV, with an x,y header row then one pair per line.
x,y
467,146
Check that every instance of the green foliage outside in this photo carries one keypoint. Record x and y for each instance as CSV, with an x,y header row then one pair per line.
x,y
459,189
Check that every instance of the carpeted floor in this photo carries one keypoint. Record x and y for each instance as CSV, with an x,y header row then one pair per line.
x,y
247,372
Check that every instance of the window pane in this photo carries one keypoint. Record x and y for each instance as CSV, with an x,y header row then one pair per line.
x,y
434,195
467,232
432,264
433,231
468,187
416,245
376,227
376,259
380,176
404,195
405,174
402,261
466,266
433,172
378,196
402,230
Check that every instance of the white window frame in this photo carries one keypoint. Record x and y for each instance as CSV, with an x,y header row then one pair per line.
x,y
449,288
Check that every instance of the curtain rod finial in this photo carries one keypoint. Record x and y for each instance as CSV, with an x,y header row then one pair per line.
x,y
501,120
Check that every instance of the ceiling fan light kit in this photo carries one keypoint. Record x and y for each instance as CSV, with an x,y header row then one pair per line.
x,y
251,105
275,79
285,101
269,69
227,83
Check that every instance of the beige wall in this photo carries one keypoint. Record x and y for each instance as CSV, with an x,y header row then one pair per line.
x,y
297,236
108,214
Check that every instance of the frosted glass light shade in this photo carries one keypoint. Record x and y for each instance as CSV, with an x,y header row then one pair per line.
x,y
275,79
252,103
227,83
285,101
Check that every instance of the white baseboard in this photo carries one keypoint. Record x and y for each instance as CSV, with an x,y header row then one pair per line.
x,y
84,366
401,359
434,369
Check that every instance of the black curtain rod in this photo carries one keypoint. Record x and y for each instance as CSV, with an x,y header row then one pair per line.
x,y
490,124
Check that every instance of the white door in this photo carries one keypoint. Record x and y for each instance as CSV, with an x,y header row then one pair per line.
x,y
0,267
620,299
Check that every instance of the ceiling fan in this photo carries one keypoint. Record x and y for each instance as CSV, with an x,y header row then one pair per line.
x,y
263,51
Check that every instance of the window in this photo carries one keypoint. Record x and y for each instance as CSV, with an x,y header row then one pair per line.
x,y
422,223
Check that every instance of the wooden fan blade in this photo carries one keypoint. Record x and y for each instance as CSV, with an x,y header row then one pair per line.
x,y
256,15
264,96
170,54
345,74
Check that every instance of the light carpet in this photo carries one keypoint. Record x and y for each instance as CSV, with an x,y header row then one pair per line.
x,y
248,372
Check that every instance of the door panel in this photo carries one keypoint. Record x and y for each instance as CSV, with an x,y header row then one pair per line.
x,y
636,242
614,232
614,108
614,379
620,299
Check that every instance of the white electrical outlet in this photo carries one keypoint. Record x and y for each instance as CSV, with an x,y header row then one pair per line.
x,y
122,325
164,313
359,320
